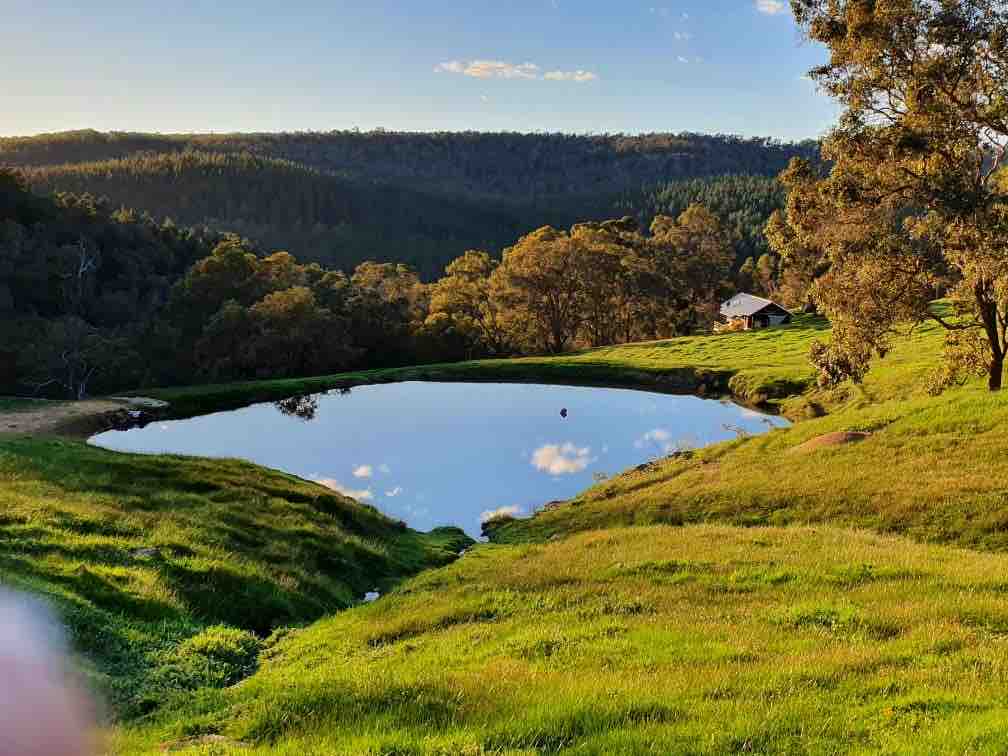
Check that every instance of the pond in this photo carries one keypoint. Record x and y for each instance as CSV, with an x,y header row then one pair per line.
x,y
453,453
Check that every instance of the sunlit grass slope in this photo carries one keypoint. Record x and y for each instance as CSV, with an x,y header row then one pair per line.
x,y
933,468
698,640
141,555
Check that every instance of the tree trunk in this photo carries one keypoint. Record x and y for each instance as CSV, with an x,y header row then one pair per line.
x,y
996,373
989,316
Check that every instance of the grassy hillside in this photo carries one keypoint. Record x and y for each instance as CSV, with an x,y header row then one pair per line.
x,y
699,640
154,560
932,468
768,599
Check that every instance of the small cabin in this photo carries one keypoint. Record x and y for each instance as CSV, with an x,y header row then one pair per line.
x,y
747,312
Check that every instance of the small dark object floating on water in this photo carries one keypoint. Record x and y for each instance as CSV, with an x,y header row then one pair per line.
x,y
563,412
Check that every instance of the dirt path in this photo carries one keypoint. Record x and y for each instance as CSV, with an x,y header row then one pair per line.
x,y
62,418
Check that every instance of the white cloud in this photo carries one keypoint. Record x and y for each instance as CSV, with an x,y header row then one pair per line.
x,y
658,436
394,492
578,75
364,494
565,459
489,69
452,66
500,512
364,471
681,36
770,7
499,69
484,98
384,469
681,59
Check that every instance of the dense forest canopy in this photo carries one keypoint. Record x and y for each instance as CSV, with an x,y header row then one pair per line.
x,y
510,166
340,198
742,202
97,298
280,204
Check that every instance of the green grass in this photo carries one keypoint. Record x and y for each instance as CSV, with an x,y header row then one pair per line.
x,y
934,467
766,601
699,640
142,554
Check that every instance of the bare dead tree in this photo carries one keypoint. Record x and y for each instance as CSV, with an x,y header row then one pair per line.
x,y
76,280
75,351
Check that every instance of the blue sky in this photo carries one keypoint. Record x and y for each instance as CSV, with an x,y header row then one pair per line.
x,y
733,66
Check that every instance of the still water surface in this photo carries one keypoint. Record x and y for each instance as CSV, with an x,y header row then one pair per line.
x,y
451,453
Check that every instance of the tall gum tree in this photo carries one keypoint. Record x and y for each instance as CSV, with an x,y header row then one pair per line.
x,y
537,287
913,201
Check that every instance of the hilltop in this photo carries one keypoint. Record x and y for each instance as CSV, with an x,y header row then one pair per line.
x,y
504,165
343,197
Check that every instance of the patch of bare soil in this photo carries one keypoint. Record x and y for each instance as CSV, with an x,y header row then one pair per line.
x,y
837,438
61,418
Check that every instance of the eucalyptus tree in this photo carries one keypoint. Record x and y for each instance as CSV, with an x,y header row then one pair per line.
x,y
913,198
537,288
460,301
693,257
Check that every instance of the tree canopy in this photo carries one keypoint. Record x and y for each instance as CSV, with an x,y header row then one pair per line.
x,y
914,204
99,299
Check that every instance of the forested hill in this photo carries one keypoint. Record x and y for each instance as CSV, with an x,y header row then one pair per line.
x,y
422,199
517,167
284,205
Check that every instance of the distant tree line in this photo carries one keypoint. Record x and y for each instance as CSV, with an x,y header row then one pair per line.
x,y
598,283
81,285
742,203
512,167
237,315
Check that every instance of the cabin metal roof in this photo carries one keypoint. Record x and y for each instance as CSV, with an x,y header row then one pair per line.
x,y
746,305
